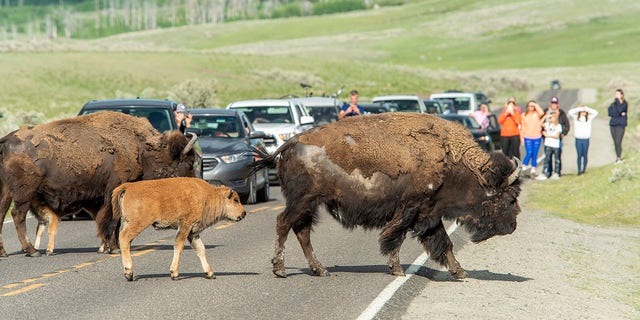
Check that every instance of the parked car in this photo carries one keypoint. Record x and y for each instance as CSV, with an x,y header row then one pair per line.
x,y
555,85
227,139
481,136
463,102
281,119
403,103
323,109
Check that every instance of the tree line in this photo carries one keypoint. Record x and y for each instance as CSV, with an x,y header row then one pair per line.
x,y
98,18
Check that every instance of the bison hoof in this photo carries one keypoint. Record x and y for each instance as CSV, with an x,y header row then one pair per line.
x,y
210,276
129,276
34,254
459,274
50,253
3,253
280,273
320,272
115,251
399,273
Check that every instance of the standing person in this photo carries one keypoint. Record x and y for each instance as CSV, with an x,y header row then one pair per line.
x,y
552,132
617,124
532,135
510,121
352,108
482,116
563,120
582,119
183,118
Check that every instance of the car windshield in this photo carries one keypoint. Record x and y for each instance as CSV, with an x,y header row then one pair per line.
x,y
402,105
217,126
323,114
462,103
268,114
159,118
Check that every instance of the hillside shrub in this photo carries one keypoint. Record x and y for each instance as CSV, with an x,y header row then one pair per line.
x,y
195,93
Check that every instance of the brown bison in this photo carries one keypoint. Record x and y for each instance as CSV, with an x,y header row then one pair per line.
x,y
398,172
187,204
72,164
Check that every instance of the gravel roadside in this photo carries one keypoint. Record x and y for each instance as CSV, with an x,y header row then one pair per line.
x,y
549,268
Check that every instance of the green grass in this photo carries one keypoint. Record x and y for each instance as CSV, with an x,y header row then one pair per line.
x,y
605,196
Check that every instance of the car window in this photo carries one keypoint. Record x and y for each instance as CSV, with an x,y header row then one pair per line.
x,y
462,103
403,105
323,114
268,114
216,126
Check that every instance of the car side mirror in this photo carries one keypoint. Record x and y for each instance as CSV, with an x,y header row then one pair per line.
x,y
196,131
258,135
307,120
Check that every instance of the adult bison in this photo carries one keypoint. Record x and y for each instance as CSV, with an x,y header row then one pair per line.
x,y
67,165
397,172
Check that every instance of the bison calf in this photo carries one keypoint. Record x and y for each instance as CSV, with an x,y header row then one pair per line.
x,y
189,205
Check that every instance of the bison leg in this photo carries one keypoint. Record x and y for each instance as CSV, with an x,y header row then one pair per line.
x,y
437,243
52,231
19,215
304,237
282,231
42,224
198,246
178,246
393,235
127,234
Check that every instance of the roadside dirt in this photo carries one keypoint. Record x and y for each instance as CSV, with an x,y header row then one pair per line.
x,y
549,268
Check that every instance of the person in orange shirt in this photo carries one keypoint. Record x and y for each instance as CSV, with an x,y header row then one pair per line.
x,y
510,121
532,135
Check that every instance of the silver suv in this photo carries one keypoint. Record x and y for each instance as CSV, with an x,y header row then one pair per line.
x,y
277,117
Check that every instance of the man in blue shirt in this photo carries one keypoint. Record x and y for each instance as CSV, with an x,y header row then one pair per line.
x,y
352,108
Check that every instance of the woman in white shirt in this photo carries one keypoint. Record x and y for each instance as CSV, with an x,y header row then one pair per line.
x,y
582,119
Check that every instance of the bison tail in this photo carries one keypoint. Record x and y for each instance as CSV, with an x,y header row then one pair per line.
x,y
269,160
116,200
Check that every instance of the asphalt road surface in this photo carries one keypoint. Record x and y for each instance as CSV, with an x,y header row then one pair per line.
x,y
78,283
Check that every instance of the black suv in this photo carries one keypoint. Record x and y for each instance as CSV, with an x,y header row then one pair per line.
x,y
158,112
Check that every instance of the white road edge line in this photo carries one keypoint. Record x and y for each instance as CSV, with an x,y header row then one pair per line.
x,y
387,293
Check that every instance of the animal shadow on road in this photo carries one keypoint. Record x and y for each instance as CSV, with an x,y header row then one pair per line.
x,y
191,275
444,276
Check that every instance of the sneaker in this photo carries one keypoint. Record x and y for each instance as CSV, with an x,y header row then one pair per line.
x,y
542,176
618,161
555,176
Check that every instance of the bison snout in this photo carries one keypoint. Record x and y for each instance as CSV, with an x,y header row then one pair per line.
x,y
244,214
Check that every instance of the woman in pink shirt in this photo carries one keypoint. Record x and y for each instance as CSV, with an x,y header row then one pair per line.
x,y
531,133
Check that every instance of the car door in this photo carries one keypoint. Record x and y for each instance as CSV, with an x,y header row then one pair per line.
x,y
494,130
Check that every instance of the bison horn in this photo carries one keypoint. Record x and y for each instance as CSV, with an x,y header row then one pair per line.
x,y
189,145
516,171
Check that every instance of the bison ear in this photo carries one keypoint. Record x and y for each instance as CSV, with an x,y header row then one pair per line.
x,y
230,195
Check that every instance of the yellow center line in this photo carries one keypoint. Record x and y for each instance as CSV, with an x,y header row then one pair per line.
x,y
23,290
139,253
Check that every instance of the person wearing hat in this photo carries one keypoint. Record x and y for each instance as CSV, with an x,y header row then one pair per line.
x,y
563,120
582,119
183,118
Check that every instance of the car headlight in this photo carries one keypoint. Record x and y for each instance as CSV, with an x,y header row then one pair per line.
x,y
231,158
286,136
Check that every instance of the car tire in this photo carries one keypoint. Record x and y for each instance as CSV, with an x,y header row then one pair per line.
x,y
250,197
264,194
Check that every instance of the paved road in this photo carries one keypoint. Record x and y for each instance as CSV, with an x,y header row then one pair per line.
x,y
77,283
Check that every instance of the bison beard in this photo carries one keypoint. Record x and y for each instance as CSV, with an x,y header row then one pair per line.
x,y
397,172
72,164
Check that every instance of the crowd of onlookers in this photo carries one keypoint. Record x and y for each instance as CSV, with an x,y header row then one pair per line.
x,y
535,126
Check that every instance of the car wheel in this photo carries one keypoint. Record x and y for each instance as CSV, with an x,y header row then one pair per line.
x,y
264,193
250,197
